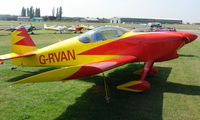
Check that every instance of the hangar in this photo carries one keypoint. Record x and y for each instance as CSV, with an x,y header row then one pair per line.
x,y
145,20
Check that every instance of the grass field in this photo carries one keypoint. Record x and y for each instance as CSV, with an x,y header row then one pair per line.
x,y
174,92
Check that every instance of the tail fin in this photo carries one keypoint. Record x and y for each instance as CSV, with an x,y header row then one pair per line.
x,y
45,26
21,42
11,26
21,46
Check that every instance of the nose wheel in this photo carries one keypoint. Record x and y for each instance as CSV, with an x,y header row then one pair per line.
x,y
153,71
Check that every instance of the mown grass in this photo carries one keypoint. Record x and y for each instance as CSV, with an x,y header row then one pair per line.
x,y
174,92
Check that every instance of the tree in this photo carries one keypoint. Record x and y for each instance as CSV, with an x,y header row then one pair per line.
x,y
28,12
38,12
53,12
23,12
57,13
35,12
60,13
31,12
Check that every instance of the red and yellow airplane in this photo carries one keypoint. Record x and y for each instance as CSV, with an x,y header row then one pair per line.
x,y
96,51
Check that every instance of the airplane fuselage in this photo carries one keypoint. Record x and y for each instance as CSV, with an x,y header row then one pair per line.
x,y
145,46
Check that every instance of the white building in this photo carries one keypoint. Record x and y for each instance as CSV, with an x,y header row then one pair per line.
x,y
144,20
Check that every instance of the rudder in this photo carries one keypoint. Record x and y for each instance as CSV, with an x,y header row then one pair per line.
x,y
21,42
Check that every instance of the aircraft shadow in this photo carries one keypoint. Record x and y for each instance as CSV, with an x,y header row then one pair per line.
x,y
30,73
125,105
182,55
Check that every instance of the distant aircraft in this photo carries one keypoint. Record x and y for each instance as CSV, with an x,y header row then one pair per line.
x,y
11,28
2,28
55,28
147,29
90,27
29,28
165,29
154,24
151,29
96,51
76,29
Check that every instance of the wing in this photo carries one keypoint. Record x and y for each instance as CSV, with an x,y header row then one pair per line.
x,y
80,71
12,56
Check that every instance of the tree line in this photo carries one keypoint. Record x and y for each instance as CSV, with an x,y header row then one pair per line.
x,y
57,14
30,12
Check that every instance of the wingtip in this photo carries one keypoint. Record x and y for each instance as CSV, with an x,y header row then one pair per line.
x,y
18,82
13,83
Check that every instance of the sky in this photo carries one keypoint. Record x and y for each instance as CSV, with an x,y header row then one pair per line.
x,y
186,10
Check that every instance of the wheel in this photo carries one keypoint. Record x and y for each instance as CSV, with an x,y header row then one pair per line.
x,y
153,71
13,68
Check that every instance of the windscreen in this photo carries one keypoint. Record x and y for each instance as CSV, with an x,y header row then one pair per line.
x,y
102,33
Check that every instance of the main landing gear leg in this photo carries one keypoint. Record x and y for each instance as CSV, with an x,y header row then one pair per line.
x,y
14,68
139,85
106,89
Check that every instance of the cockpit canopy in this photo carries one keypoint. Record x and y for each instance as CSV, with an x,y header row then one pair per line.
x,y
102,33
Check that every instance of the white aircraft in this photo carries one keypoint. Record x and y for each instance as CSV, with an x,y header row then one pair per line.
x,y
55,28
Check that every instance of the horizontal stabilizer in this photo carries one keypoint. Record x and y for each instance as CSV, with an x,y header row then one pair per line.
x,y
12,56
80,71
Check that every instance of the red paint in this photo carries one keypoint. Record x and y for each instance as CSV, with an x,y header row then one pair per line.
x,y
60,56
42,59
26,41
153,71
147,67
57,57
142,86
98,67
63,56
78,28
84,72
51,57
190,37
71,55
168,57
149,46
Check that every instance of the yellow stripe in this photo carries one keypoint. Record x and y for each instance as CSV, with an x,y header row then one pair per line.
x,y
131,83
53,75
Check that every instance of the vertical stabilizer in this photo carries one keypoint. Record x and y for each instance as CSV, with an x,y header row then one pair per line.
x,y
11,26
45,26
21,42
